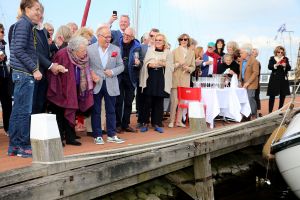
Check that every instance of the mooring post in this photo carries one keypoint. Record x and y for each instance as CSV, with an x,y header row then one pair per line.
x,y
203,177
197,117
45,138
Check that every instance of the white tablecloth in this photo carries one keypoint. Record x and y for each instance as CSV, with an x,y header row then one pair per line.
x,y
228,102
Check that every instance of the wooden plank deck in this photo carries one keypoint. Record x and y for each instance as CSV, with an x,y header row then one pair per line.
x,y
132,139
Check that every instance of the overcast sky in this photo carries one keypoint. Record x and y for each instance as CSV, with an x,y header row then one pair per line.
x,y
255,21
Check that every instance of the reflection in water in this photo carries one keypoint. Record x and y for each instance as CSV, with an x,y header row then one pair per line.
x,y
246,187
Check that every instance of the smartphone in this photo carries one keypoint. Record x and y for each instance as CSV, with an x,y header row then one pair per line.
x,y
115,12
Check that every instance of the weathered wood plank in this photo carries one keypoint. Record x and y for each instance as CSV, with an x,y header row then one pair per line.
x,y
203,178
47,150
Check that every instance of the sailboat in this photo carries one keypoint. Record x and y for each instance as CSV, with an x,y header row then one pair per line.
x,y
287,148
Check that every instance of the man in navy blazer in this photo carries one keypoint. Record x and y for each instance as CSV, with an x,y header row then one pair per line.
x,y
43,53
106,64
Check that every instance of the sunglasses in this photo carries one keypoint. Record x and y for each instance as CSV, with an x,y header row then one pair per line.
x,y
183,39
151,35
281,52
2,32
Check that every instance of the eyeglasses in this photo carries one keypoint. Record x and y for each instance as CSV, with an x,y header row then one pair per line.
x,y
183,39
281,52
126,35
106,37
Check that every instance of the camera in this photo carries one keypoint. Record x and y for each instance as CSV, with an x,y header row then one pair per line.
x,y
115,12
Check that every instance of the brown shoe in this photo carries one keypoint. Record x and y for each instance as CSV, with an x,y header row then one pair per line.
x,y
130,129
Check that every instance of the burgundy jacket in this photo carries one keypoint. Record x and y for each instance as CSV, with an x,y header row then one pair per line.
x,y
62,89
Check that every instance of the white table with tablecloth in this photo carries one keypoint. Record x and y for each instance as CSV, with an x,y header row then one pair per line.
x,y
227,102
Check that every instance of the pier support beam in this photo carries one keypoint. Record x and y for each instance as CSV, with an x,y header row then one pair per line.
x,y
203,178
45,139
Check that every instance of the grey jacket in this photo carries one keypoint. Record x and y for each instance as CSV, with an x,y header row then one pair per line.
x,y
114,63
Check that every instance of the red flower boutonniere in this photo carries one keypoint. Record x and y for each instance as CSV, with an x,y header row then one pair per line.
x,y
114,54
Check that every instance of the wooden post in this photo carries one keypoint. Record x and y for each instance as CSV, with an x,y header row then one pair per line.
x,y
203,178
197,117
45,138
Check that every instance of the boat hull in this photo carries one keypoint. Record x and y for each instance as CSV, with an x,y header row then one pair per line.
x,y
288,162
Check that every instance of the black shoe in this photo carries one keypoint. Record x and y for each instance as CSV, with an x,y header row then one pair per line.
x,y
130,129
118,129
74,142
90,134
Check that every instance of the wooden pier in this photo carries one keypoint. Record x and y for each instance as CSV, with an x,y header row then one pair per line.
x,y
94,173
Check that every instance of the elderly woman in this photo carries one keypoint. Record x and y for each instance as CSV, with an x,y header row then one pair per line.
x,y
156,81
184,59
72,90
278,83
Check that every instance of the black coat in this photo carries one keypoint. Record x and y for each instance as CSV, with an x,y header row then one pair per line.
x,y
278,83
43,51
234,66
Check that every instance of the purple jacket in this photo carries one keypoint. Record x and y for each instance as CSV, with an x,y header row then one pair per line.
x,y
62,89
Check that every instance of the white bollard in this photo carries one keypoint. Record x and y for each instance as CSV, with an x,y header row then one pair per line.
x,y
45,138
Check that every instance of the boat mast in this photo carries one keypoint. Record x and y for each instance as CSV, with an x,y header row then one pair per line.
x,y
297,71
86,13
136,17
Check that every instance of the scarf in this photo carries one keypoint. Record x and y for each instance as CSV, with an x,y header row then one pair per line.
x,y
215,61
85,82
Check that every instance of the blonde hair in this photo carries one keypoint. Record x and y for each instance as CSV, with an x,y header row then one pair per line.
x,y
234,45
198,51
65,32
166,46
84,32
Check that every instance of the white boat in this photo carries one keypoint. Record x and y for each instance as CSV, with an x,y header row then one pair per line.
x,y
287,156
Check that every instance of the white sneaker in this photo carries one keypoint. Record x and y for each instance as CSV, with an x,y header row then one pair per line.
x,y
114,139
171,125
99,140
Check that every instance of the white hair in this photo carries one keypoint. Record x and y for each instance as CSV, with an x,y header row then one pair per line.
x,y
247,47
76,41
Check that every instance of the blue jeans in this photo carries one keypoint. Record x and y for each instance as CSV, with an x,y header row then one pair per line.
x,y
110,102
19,123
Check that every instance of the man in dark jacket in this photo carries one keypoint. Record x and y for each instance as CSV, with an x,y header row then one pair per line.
x,y
45,64
23,60
131,55
5,83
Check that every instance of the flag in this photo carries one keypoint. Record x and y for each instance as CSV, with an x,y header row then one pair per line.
x,y
281,29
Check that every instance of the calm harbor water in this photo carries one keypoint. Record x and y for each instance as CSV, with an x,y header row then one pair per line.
x,y
246,188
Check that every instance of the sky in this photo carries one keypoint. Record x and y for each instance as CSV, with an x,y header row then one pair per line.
x,y
255,21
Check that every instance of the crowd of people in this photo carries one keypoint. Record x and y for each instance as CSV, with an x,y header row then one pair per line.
x,y
76,73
